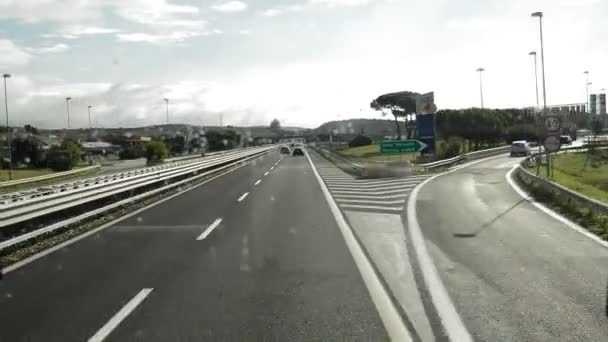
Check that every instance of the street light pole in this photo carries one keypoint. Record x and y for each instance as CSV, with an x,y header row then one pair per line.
x,y
480,70
8,131
539,15
67,106
90,117
533,53
167,104
588,110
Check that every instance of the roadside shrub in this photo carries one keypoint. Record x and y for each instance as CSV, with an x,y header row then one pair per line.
x,y
156,151
72,148
60,161
132,152
453,148
360,140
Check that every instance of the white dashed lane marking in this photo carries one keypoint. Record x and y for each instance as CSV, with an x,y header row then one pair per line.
x,y
242,197
120,316
209,229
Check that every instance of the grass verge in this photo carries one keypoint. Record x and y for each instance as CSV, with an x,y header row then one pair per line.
x,y
20,174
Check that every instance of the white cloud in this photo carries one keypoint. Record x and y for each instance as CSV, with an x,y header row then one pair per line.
x,y
158,12
244,32
81,30
60,47
12,55
579,3
272,12
74,90
149,12
339,3
50,10
173,37
230,6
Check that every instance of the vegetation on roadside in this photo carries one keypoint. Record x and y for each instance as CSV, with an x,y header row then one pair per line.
x,y
595,223
64,157
360,140
156,151
26,173
586,173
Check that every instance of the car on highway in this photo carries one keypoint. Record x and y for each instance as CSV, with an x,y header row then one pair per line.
x,y
298,151
520,148
285,150
565,140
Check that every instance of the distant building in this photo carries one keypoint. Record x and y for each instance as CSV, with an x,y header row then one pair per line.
x,y
592,104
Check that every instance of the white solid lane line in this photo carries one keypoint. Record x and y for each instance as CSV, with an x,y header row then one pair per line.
x,y
266,173
376,188
369,201
373,207
373,184
107,329
209,229
242,197
340,197
354,192
258,182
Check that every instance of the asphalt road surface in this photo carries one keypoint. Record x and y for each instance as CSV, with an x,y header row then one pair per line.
x,y
252,255
513,272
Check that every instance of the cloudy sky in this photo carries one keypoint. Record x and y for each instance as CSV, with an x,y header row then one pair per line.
x,y
302,61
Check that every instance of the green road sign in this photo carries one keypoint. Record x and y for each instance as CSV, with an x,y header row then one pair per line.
x,y
402,146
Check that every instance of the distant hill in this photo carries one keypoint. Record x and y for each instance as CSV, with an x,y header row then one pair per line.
x,y
171,129
374,128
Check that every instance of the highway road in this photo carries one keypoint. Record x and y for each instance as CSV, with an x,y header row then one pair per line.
x,y
257,254
254,254
513,272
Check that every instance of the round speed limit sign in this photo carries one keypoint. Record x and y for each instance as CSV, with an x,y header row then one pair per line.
x,y
552,123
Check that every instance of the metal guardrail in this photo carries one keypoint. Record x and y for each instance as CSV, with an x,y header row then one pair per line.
x,y
47,177
23,195
234,159
20,211
89,168
444,162
467,156
560,191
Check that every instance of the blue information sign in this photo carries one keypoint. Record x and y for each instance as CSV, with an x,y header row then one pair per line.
x,y
425,131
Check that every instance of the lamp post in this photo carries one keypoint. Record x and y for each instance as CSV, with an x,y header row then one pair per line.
x,y
539,15
90,116
167,105
533,53
480,70
67,106
587,84
8,131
